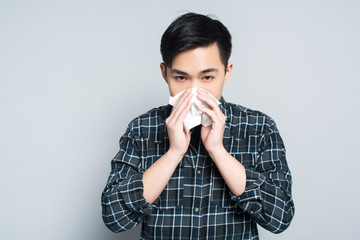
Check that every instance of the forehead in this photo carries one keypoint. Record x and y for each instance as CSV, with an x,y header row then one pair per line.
x,y
198,59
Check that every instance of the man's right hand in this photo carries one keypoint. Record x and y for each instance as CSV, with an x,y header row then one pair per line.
x,y
158,175
178,137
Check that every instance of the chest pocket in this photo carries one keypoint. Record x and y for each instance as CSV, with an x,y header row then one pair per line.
x,y
173,194
245,150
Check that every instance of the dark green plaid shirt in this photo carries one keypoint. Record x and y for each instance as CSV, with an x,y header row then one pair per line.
x,y
196,203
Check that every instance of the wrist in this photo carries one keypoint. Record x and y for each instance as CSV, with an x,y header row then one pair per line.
x,y
217,152
175,155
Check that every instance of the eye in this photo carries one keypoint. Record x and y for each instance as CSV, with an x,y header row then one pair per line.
x,y
180,78
208,78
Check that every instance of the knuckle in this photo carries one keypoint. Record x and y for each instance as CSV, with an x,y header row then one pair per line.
x,y
169,123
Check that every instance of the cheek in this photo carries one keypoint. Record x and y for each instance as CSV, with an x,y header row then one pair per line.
x,y
176,88
215,89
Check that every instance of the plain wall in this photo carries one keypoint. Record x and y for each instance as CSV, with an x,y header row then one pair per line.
x,y
74,73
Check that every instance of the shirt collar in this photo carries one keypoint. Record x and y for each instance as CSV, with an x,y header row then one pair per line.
x,y
224,108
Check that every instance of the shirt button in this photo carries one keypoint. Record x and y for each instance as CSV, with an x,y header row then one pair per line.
x,y
198,172
196,209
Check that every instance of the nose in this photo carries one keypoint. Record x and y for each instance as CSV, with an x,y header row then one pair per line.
x,y
194,84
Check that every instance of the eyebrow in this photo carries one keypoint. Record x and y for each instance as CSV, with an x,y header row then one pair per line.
x,y
209,70
176,71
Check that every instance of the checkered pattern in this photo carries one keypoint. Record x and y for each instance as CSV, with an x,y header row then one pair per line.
x,y
196,203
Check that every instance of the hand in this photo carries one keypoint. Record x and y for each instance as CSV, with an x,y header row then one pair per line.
x,y
212,136
178,137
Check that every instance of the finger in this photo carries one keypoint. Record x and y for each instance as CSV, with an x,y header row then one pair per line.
x,y
181,117
184,107
213,116
179,105
214,113
205,97
180,100
182,96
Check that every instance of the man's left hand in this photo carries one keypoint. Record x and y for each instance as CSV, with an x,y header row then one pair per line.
x,y
212,136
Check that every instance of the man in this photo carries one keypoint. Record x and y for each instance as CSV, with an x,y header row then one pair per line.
x,y
215,181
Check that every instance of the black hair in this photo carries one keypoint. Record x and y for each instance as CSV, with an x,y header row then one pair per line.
x,y
193,30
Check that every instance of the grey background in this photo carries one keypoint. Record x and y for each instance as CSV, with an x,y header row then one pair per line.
x,y
74,73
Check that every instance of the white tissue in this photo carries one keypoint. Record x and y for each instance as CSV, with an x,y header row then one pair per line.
x,y
194,117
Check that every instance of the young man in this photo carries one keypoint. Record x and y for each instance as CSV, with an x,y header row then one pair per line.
x,y
215,181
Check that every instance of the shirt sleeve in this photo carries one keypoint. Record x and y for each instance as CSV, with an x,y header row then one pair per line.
x,y
123,204
267,197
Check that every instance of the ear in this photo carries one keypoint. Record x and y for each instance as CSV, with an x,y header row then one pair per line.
x,y
228,71
163,71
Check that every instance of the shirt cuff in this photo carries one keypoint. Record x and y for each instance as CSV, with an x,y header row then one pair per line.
x,y
132,193
250,200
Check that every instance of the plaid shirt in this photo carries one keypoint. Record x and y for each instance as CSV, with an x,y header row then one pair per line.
x,y
196,203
